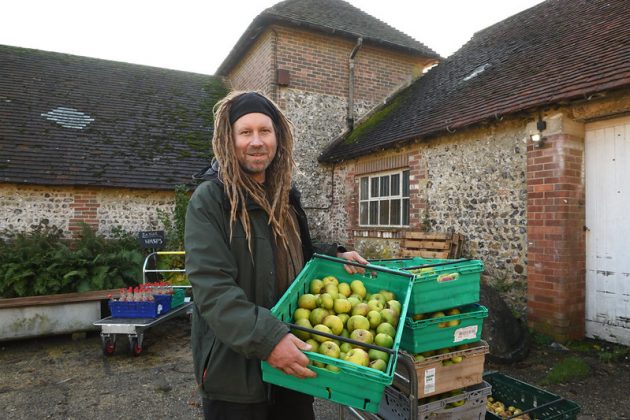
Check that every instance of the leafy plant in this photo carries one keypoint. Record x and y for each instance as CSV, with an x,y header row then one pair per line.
x,y
41,262
174,228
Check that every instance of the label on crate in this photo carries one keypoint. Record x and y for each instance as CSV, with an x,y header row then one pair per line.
x,y
466,333
429,381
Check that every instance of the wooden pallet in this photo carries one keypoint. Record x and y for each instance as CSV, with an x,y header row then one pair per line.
x,y
432,245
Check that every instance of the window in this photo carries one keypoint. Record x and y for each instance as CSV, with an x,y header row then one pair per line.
x,y
384,200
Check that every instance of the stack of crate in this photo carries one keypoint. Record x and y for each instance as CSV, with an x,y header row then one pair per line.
x,y
442,333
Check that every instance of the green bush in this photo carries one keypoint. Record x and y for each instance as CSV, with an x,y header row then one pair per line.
x,y
40,262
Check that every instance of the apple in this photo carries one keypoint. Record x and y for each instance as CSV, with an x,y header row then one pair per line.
x,y
357,297
345,347
325,301
344,318
358,356
361,309
378,354
378,297
384,340
354,300
332,290
332,368
419,358
419,317
378,364
342,306
375,318
314,345
386,328
302,335
453,311
453,323
330,349
317,315
389,316
307,301
301,313
316,286
395,306
375,305
357,322
358,287
345,332
387,294
334,323
330,280
319,364
457,359
321,328
344,289
362,335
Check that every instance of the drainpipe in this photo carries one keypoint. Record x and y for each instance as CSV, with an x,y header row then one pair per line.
x,y
350,113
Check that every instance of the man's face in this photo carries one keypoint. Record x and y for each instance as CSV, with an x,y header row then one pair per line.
x,y
255,143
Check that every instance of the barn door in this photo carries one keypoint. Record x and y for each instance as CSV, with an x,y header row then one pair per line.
x,y
607,168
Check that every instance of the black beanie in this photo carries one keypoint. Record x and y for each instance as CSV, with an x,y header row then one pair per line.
x,y
251,102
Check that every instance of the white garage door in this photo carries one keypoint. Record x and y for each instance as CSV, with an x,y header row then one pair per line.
x,y
607,168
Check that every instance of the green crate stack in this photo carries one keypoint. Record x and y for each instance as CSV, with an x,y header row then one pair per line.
x,y
352,385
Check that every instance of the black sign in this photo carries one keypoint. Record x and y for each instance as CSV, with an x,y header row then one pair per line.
x,y
151,239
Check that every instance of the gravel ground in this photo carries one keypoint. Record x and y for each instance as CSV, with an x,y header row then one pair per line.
x,y
68,377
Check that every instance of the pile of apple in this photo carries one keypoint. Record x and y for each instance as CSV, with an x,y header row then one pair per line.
x,y
440,314
421,357
499,409
348,310
438,397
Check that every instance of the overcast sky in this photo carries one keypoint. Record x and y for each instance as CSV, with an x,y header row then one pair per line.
x,y
197,35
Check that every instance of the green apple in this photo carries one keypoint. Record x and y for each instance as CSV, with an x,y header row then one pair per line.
x,y
395,306
375,318
386,328
457,359
344,289
307,301
419,317
302,335
301,313
361,309
419,358
345,332
345,347
344,318
358,287
325,301
321,328
378,364
384,340
330,280
342,306
357,322
378,297
387,294
314,345
332,368
357,297
389,316
453,323
316,286
362,335
319,364
375,305
334,323
332,290
378,354
358,356
354,300
330,349
317,315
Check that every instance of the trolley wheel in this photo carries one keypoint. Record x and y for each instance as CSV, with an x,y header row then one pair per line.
x,y
134,346
109,346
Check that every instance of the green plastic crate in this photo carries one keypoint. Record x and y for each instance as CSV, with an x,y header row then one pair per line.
x,y
178,297
426,335
354,385
536,402
443,284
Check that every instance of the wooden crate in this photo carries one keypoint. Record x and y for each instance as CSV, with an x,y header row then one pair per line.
x,y
432,245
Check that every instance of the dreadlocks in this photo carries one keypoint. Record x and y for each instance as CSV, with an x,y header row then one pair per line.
x,y
273,195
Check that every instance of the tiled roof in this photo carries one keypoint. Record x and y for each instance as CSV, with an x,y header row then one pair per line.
x,y
556,51
69,120
329,16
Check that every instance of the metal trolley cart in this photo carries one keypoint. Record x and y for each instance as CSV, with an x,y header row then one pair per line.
x,y
134,328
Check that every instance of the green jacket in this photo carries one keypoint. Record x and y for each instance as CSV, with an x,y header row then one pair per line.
x,y
233,328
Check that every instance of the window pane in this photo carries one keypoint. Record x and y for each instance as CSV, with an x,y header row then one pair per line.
x,y
405,212
374,212
395,210
405,184
385,186
363,211
364,188
384,212
374,189
395,184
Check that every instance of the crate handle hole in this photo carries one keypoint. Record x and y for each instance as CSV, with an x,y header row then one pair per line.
x,y
329,392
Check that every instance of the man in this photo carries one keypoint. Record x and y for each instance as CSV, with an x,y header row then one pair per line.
x,y
246,239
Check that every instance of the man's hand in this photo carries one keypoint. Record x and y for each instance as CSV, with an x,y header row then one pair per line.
x,y
353,256
287,357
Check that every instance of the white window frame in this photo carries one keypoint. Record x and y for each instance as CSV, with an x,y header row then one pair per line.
x,y
363,201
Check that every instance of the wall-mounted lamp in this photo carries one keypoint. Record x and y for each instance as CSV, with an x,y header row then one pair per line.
x,y
537,138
